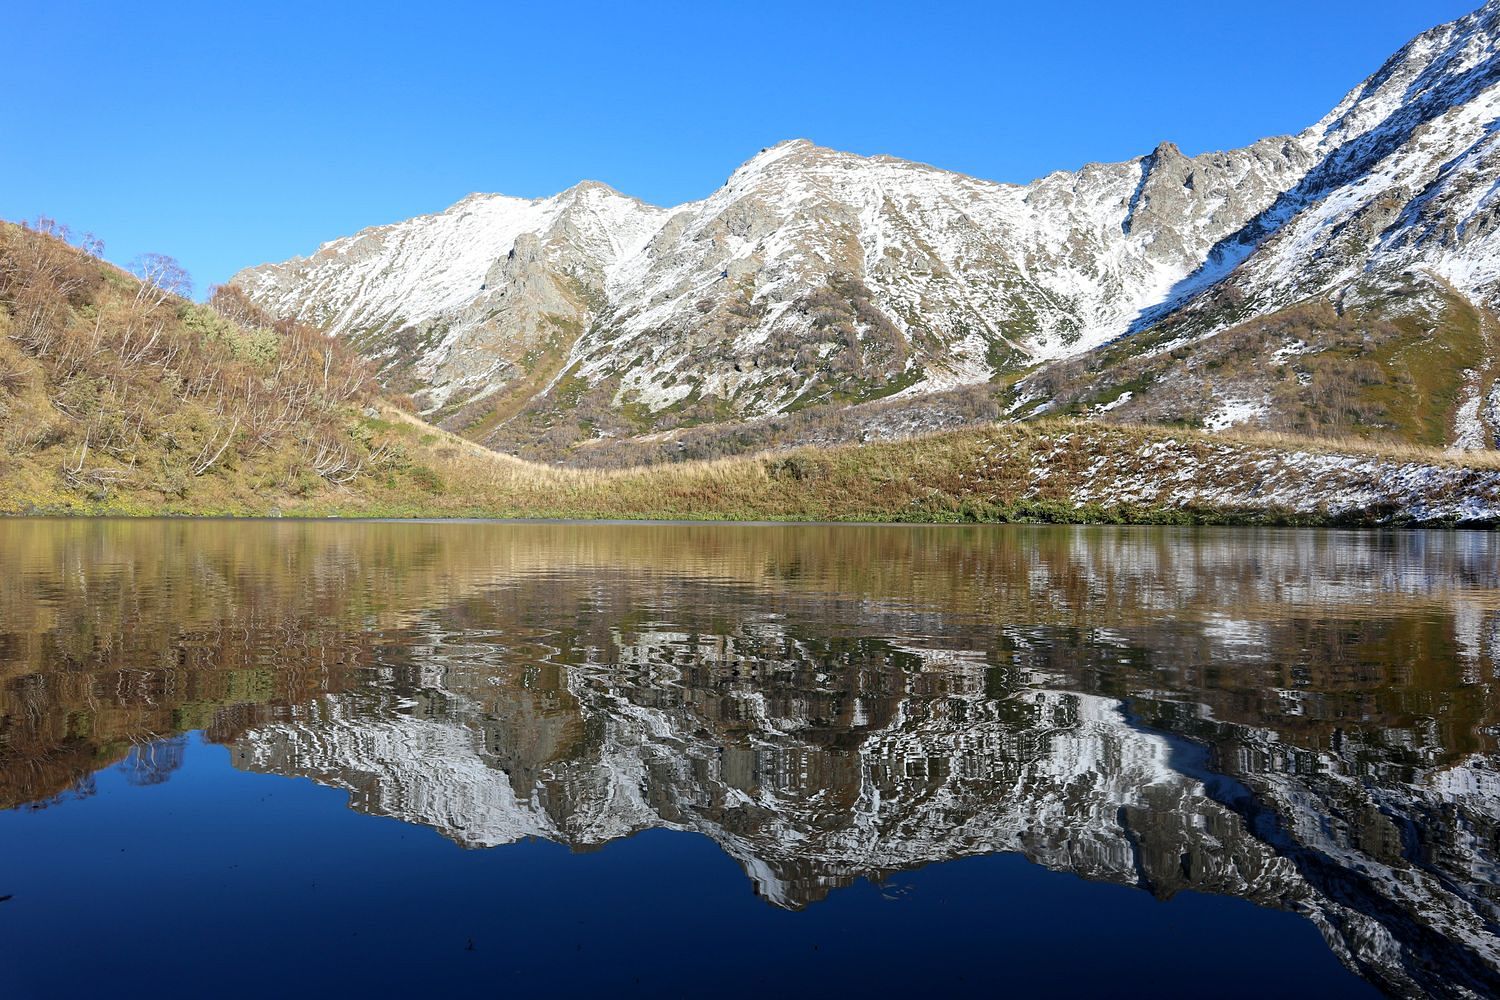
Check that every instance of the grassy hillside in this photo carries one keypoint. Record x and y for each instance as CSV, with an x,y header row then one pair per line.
x,y
119,396
118,393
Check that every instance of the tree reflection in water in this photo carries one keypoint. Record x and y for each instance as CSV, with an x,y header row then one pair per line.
x,y
1305,720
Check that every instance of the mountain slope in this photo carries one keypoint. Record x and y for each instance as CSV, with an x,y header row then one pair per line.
x,y
819,278
448,300
119,394
811,276
1394,223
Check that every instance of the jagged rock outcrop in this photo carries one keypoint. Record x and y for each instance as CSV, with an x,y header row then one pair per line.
x,y
1393,218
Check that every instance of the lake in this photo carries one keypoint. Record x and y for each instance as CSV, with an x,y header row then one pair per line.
x,y
287,758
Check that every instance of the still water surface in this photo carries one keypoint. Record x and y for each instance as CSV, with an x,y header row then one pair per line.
x,y
296,758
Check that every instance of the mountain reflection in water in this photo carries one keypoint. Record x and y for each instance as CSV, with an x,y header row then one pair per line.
x,y
1305,720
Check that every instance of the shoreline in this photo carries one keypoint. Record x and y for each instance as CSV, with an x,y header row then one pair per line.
x,y
1359,521
1047,471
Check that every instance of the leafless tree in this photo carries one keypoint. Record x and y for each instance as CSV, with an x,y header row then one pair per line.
x,y
161,278
40,275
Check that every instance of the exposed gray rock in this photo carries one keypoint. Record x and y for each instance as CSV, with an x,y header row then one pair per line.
x,y
814,275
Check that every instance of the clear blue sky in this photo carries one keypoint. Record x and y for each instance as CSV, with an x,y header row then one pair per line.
x,y
229,134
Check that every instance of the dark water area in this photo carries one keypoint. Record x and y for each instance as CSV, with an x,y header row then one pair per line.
x,y
397,758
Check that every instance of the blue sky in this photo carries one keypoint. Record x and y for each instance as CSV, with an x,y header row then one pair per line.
x,y
232,134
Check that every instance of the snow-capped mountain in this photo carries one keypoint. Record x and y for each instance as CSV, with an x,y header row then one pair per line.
x,y
808,271
817,276
1403,178
1372,280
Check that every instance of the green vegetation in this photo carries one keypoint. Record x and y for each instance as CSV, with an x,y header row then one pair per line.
x,y
541,364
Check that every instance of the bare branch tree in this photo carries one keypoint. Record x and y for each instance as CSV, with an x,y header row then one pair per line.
x,y
161,278
205,460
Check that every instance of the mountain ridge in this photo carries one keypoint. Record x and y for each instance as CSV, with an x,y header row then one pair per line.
x,y
733,220
815,277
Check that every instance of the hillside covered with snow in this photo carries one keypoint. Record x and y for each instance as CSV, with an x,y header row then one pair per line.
x,y
817,278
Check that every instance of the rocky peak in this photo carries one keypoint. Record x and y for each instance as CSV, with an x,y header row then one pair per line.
x,y
814,275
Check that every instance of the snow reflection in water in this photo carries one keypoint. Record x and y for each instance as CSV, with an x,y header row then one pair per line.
x,y
1304,720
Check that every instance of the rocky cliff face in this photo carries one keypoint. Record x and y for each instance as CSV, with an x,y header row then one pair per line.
x,y
1362,297
818,277
810,275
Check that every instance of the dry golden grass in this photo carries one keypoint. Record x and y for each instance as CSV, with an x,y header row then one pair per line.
x,y
986,473
215,413
1393,451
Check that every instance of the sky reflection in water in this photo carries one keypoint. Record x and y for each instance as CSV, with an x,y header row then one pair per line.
x,y
691,758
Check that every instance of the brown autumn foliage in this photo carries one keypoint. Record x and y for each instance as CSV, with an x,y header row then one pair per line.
x,y
128,381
